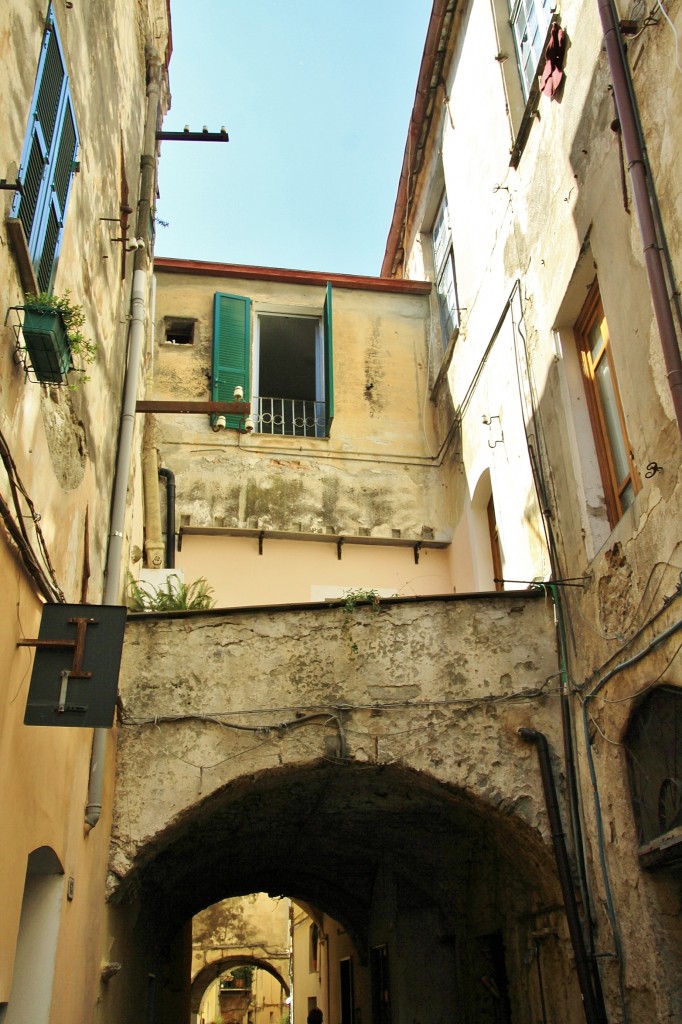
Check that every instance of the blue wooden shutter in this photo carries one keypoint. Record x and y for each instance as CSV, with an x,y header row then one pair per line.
x,y
48,159
231,349
328,361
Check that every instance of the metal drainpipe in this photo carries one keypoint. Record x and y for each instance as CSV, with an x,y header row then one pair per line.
x,y
169,477
154,547
592,1014
652,254
112,582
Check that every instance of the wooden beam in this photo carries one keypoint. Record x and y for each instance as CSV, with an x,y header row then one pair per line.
x,y
189,406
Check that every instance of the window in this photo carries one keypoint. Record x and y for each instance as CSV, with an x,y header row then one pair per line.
x,y
347,991
313,948
381,993
654,747
444,266
530,20
48,160
291,365
495,548
619,476
179,331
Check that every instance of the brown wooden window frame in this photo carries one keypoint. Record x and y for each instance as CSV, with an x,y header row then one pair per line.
x,y
615,491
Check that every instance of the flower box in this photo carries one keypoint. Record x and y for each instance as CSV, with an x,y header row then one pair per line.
x,y
47,344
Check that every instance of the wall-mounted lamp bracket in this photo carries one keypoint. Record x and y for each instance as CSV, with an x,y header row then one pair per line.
x,y
188,136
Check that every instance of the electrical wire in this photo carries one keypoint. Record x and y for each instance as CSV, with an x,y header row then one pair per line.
x,y
215,717
674,30
37,563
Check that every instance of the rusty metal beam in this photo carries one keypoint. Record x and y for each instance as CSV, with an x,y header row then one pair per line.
x,y
189,406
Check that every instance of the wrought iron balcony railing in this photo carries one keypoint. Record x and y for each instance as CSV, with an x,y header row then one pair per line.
x,y
298,417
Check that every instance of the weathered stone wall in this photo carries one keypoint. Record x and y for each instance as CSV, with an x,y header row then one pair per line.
x,y
441,686
367,762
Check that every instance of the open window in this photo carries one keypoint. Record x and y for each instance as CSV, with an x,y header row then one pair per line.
x,y
530,21
179,330
444,268
291,365
48,160
619,475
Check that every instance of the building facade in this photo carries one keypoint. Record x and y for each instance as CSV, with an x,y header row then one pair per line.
x,y
82,89
439,521
538,193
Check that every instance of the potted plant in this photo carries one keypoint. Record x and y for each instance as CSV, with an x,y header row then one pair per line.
x,y
52,335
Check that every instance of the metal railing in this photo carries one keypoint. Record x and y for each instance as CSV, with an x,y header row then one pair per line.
x,y
297,417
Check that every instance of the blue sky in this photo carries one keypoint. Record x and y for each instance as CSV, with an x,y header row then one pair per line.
x,y
316,97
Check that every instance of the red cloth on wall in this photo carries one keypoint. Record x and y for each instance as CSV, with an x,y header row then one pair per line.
x,y
553,74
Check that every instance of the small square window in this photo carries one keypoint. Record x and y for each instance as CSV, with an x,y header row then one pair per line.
x,y
179,331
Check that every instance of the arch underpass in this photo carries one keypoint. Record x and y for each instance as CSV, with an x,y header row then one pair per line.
x,y
202,978
371,769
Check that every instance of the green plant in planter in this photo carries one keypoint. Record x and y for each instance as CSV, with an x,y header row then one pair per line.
x,y
52,330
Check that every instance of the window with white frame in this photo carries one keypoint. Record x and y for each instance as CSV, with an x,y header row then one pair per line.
x,y
48,160
288,374
530,21
288,377
444,267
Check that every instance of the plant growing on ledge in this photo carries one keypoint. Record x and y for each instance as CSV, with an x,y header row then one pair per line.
x,y
351,599
174,596
52,330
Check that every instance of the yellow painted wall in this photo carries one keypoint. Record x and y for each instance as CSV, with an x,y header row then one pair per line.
x,y
62,445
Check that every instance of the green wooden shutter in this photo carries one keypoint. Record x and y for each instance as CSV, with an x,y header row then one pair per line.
x,y
231,349
63,169
328,361
48,159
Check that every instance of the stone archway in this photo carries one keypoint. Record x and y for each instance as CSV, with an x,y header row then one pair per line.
x,y
393,855
212,970
365,762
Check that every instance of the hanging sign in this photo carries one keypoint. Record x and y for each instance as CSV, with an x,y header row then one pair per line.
x,y
75,671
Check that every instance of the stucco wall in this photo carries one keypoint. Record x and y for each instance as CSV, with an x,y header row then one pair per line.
x,y
378,474
547,227
62,445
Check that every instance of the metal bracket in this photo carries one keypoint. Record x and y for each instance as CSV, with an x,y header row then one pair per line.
x,y
76,670
188,136
77,646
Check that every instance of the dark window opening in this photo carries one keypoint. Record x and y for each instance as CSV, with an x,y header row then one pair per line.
x,y
290,376
495,548
313,949
381,993
654,748
180,332
347,991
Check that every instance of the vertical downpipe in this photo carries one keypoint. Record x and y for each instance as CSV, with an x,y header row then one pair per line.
x,y
590,1006
640,189
112,584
